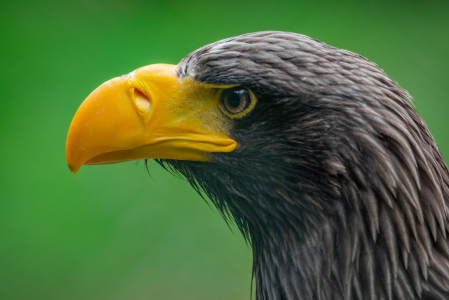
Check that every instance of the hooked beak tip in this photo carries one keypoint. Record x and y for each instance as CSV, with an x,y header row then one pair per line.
x,y
73,169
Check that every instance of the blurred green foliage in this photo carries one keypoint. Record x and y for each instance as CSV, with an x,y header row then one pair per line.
x,y
113,232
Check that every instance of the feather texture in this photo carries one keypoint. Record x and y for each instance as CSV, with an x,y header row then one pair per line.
x,y
337,183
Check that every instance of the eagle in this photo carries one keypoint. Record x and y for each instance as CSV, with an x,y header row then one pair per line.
x,y
316,155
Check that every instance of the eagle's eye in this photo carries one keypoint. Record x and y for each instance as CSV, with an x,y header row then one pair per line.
x,y
236,101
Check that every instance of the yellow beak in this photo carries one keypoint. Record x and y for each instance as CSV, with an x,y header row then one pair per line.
x,y
137,116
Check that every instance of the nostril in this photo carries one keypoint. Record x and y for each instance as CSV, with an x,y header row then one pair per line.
x,y
142,101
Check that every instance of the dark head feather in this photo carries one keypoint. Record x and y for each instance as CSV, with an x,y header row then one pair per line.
x,y
337,183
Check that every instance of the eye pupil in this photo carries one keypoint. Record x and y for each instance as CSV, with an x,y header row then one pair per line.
x,y
235,100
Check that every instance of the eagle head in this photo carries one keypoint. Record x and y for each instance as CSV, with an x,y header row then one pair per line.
x,y
313,151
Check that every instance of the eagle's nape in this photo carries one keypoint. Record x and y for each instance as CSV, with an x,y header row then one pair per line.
x,y
336,181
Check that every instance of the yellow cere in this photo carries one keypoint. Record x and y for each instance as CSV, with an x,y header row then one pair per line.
x,y
200,101
204,100
142,102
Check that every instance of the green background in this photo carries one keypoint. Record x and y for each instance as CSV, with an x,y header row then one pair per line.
x,y
113,232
